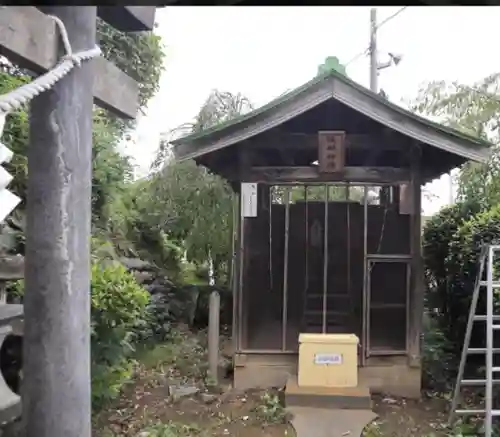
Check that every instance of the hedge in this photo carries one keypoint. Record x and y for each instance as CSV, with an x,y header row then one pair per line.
x,y
452,244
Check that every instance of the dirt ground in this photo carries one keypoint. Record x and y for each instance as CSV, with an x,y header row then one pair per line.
x,y
409,418
232,416
148,408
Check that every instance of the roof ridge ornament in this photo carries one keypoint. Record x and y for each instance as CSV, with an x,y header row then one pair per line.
x,y
331,63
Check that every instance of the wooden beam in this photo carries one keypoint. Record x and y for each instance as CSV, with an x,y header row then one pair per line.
x,y
128,18
417,286
114,90
293,141
29,39
124,18
11,268
296,141
312,174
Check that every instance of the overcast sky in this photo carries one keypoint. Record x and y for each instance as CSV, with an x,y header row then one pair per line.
x,y
264,51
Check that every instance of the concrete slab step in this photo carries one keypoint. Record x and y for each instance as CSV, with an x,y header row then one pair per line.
x,y
327,422
350,398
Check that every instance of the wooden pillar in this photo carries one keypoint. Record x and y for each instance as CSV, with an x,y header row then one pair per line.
x,y
244,163
234,234
253,235
396,197
237,282
417,287
233,280
56,384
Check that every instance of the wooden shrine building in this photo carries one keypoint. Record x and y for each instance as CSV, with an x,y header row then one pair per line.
x,y
329,233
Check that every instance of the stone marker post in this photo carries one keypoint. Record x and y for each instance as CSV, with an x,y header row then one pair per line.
x,y
213,334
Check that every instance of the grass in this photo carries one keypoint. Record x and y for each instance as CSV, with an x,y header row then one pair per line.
x,y
270,409
172,429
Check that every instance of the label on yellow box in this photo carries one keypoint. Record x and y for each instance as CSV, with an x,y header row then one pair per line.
x,y
328,359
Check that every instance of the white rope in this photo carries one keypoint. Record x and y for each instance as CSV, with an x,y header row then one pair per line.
x,y
17,98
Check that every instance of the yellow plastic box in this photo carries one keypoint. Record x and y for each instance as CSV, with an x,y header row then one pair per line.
x,y
328,360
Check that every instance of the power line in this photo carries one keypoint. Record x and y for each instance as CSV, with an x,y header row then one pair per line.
x,y
365,51
359,55
391,17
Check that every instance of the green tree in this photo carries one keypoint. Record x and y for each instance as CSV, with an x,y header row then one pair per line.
x,y
141,56
190,203
472,109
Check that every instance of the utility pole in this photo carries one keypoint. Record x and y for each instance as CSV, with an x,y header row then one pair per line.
x,y
384,191
56,386
375,66
373,51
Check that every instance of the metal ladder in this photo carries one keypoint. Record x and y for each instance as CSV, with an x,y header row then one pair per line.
x,y
487,254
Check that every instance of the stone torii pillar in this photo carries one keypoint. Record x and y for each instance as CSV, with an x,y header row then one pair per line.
x,y
56,386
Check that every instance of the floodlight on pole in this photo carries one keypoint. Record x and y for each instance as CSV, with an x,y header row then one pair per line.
x,y
396,59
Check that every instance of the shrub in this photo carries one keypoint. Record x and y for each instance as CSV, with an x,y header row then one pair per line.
x,y
118,306
157,323
441,270
452,242
483,228
187,304
452,245
109,380
439,232
270,409
438,363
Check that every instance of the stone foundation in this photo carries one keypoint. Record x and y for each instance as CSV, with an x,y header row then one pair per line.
x,y
388,375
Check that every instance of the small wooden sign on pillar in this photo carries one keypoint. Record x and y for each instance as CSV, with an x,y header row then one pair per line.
x,y
331,151
405,200
248,199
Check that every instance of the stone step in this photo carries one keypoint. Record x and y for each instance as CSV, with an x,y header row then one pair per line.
x,y
348,398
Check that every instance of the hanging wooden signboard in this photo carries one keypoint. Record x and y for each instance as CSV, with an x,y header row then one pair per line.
x,y
331,151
